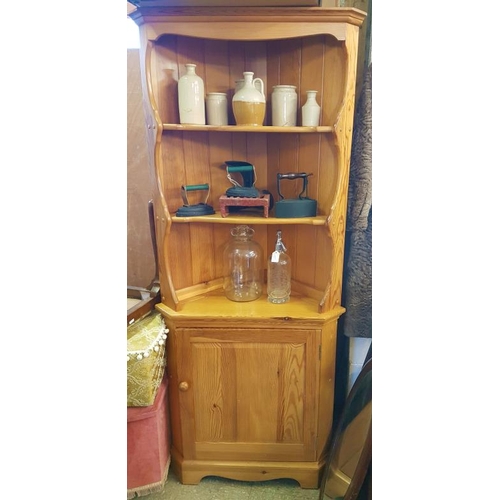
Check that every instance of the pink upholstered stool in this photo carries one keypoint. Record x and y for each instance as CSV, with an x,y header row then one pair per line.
x,y
148,445
236,201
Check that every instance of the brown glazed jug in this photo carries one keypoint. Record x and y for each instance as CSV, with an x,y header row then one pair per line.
x,y
249,103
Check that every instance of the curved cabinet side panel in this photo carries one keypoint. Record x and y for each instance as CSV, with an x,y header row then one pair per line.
x,y
343,141
154,136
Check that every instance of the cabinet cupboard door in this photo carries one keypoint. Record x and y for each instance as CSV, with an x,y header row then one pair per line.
x,y
248,394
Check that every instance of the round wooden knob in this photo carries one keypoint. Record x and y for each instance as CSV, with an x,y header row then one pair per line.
x,y
183,386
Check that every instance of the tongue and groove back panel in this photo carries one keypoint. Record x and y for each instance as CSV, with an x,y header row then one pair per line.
x,y
197,157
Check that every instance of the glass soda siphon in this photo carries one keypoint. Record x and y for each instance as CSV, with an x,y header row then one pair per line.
x,y
279,274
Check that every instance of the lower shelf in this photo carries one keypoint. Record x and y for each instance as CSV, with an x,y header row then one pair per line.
x,y
215,305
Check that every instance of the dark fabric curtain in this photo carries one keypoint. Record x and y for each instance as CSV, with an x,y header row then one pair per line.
x,y
357,321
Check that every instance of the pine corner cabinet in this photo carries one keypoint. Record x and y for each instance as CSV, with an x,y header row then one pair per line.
x,y
251,384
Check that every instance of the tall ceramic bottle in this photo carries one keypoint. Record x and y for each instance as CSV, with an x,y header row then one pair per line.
x,y
191,97
249,103
311,110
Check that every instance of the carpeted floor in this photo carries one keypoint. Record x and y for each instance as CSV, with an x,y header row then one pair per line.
x,y
217,488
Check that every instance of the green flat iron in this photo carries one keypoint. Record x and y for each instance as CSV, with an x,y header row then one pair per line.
x,y
247,173
298,207
188,210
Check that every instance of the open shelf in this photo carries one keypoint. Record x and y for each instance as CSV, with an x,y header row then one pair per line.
x,y
214,304
216,218
247,128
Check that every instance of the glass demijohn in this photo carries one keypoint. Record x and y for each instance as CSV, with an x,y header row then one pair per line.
x,y
243,271
279,274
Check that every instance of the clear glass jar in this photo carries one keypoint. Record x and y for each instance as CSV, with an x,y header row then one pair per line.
x,y
243,270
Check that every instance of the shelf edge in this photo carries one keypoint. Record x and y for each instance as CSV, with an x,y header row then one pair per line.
x,y
322,129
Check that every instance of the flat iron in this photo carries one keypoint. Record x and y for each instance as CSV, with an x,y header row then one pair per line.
x,y
188,210
247,172
298,207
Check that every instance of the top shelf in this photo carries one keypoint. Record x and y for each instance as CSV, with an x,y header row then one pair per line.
x,y
247,128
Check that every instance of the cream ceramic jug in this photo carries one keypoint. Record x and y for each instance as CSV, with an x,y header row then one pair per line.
x,y
249,103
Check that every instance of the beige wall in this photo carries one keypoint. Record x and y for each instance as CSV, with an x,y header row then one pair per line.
x,y
140,256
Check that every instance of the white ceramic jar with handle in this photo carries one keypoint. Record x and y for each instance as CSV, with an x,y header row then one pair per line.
x,y
238,84
249,103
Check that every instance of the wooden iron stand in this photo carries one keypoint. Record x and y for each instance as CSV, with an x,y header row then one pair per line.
x,y
236,201
251,384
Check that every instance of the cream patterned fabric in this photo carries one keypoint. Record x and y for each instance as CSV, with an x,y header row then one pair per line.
x,y
145,359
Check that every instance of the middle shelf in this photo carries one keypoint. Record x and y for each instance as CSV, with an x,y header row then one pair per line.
x,y
216,218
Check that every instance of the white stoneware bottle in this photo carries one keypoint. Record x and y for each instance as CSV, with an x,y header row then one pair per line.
x,y
191,97
311,110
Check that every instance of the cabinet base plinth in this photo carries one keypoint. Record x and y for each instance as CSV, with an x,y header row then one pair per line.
x,y
307,474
